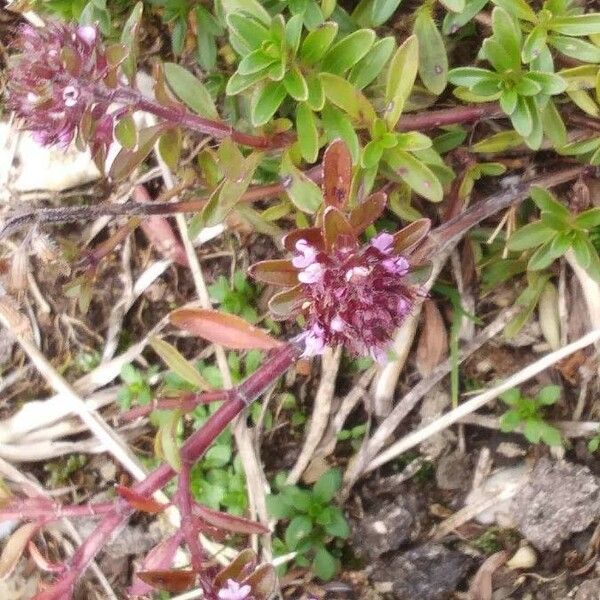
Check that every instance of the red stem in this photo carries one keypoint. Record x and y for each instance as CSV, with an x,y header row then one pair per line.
x,y
191,451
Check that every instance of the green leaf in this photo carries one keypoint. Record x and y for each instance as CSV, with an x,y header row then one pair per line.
x,y
317,42
382,10
454,21
250,7
337,125
308,135
249,32
127,160
324,564
498,56
470,76
518,8
511,397
298,528
533,44
178,364
129,40
169,147
549,394
509,421
575,48
546,254
190,90
343,94
415,173
588,219
507,34
402,72
499,142
295,84
254,62
546,202
126,132
529,236
304,193
279,507
521,117
551,436
344,54
224,199
554,126
433,61
368,67
327,485
581,249
456,6
576,25
266,101
337,525
550,83
316,95
166,439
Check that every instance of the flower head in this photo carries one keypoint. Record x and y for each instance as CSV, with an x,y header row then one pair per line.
x,y
232,590
352,294
53,84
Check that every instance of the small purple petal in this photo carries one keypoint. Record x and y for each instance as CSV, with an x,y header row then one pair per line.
x,y
383,242
312,273
234,591
337,323
87,33
307,255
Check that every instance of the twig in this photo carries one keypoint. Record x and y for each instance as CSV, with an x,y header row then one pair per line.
x,y
320,416
409,401
413,439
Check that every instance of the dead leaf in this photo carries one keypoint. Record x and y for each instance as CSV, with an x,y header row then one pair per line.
x,y
433,341
15,547
481,585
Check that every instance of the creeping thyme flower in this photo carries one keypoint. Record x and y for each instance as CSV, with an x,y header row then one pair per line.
x,y
234,591
53,84
351,294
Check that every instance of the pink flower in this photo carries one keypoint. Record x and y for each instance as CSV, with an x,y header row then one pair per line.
x,y
57,81
351,294
234,591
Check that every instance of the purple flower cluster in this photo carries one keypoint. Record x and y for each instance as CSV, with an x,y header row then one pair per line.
x,y
53,84
353,296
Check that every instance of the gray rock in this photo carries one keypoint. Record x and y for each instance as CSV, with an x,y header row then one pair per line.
x,y
429,572
589,590
559,499
391,525
453,471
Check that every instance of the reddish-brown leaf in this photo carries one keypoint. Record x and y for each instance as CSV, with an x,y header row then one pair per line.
x,y
284,304
277,272
262,582
159,232
139,502
313,235
221,328
239,568
14,548
367,212
229,522
171,580
433,341
337,229
408,237
159,558
337,174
